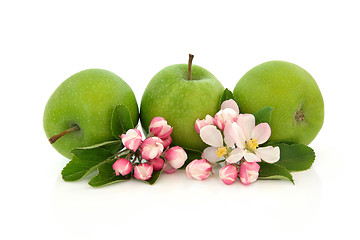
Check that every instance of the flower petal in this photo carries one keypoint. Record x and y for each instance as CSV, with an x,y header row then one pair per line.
x,y
209,154
261,132
247,124
211,136
230,104
269,154
228,132
235,155
251,157
237,135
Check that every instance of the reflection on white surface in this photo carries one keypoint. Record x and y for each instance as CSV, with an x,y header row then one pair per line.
x,y
81,209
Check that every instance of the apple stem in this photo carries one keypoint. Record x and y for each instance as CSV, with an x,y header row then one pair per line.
x,y
53,139
189,65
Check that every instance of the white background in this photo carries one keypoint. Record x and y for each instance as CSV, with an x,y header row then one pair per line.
x,y
44,42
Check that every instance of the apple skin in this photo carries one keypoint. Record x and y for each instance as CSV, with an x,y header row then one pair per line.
x,y
180,101
287,88
86,99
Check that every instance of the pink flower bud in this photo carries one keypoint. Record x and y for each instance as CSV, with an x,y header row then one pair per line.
x,y
132,139
176,156
249,172
202,123
151,148
122,166
143,171
160,128
168,168
224,115
199,169
228,174
157,163
167,142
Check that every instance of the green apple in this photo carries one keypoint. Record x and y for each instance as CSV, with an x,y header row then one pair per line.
x,y
181,94
298,113
80,109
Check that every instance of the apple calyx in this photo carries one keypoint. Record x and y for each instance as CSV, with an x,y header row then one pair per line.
x,y
53,139
191,57
299,115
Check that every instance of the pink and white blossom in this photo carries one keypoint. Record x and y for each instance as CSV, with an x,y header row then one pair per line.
x,y
122,166
157,163
248,137
198,169
223,116
217,150
249,172
132,139
228,174
176,156
203,122
151,148
160,128
143,171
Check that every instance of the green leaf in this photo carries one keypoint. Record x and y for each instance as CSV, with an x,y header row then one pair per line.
x,y
120,121
87,159
106,175
263,115
227,94
295,156
191,154
273,171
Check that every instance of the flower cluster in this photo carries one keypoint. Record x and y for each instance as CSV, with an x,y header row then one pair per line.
x,y
151,154
234,141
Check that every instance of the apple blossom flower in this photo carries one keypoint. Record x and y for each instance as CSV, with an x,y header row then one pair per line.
x,y
122,166
176,156
217,150
202,123
228,174
132,139
198,169
229,111
166,142
143,171
248,137
151,148
224,115
157,163
249,172
160,128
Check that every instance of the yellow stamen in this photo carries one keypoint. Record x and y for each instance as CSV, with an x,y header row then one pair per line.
x,y
221,152
252,144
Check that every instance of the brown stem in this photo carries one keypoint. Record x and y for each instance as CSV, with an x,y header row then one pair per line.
x,y
189,65
56,137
